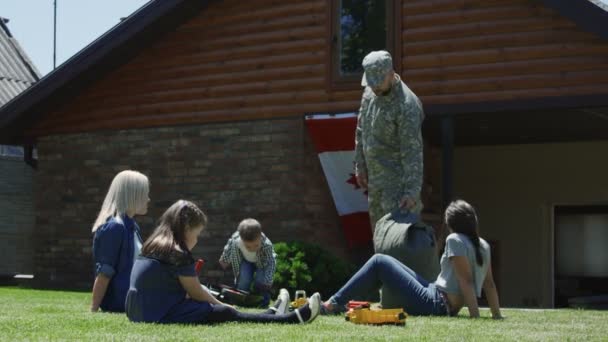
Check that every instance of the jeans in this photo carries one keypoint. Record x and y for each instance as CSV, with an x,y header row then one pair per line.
x,y
417,296
222,313
246,277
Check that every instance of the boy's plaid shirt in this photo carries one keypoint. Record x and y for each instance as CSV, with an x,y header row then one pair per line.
x,y
266,257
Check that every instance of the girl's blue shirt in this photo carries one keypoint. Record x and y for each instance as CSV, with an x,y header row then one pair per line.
x,y
113,254
156,294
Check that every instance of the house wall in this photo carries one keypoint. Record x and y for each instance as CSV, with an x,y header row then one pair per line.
x,y
265,169
514,189
242,60
16,216
465,51
266,59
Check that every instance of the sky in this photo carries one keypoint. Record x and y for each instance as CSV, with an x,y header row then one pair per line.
x,y
79,22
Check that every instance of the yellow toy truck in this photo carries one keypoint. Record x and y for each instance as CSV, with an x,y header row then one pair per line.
x,y
361,313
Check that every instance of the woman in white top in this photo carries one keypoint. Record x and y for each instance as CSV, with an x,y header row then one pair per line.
x,y
465,270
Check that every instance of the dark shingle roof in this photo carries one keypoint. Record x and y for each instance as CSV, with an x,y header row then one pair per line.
x,y
17,72
590,15
112,49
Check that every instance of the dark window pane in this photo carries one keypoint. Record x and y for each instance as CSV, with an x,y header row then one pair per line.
x,y
363,28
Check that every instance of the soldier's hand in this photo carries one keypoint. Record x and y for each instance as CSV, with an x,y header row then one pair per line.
x,y
362,179
407,203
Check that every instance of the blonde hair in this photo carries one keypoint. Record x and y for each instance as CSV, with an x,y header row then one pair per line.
x,y
128,189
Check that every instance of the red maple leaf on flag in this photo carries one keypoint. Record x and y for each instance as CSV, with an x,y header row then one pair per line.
x,y
353,180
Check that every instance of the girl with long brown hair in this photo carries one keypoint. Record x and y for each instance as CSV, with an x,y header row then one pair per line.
x,y
165,287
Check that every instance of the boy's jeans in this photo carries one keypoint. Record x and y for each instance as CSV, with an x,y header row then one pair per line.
x,y
246,277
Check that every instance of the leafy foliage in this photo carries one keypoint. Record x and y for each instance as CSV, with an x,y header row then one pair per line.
x,y
306,266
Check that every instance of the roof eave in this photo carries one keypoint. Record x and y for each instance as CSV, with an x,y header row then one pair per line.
x,y
112,49
584,13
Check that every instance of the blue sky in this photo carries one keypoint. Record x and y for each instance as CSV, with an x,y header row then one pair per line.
x,y
79,22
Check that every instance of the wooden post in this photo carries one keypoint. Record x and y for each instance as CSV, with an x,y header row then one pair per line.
x,y
28,156
447,159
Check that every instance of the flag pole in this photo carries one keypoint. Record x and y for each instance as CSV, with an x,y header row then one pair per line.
x,y
54,34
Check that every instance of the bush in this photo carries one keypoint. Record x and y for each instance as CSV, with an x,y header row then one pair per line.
x,y
306,266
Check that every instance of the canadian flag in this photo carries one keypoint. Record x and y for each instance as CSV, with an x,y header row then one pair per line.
x,y
334,139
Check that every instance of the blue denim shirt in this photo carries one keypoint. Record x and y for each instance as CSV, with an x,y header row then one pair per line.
x,y
113,248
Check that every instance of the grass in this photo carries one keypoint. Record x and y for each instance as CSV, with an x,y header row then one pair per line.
x,y
58,315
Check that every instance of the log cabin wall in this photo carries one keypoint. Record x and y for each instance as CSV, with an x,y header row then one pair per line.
x,y
267,58
461,51
236,61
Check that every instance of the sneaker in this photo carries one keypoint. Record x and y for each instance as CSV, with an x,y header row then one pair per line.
x,y
328,309
314,302
314,305
284,301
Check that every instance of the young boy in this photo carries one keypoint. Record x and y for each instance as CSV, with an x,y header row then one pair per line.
x,y
250,252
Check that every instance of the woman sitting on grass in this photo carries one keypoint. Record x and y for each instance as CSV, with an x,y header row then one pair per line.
x,y
465,270
117,240
165,287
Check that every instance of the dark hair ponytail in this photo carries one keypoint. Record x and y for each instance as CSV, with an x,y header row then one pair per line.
x,y
460,216
170,233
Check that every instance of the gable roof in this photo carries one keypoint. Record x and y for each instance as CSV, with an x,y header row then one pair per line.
x,y
590,15
17,72
112,49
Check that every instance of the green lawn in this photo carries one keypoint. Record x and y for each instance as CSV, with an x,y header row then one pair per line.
x,y
51,315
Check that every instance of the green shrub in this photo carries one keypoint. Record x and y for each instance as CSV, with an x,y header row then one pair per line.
x,y
306,266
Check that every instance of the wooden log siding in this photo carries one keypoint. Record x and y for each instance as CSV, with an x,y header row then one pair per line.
x,y
275,67
242,60
465,51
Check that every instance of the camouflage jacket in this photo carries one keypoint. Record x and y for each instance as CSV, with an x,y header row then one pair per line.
x,y
388,141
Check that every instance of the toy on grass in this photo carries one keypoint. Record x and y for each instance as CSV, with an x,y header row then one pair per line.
x,y
300,299
362,313
232,295
229,294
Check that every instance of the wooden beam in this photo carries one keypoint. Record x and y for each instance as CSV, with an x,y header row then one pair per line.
x,y
447,160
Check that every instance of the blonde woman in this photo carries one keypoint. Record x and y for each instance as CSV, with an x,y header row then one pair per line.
x,y
117,240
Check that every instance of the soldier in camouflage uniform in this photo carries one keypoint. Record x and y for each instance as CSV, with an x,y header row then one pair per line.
x,y
388,152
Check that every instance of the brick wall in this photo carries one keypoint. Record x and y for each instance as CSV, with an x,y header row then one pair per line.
x,y
16,216
264,169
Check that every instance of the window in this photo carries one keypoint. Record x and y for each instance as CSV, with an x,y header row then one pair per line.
x,y
581,257
11,151
358,27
